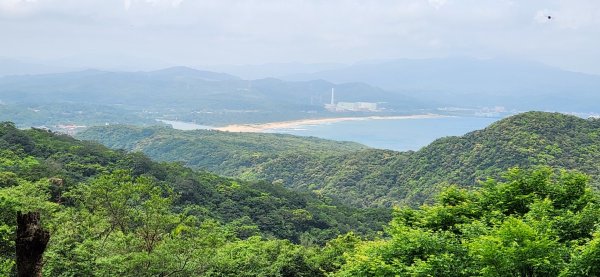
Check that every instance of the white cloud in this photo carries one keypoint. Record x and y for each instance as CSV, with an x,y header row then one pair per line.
x,y
127,4
153,3
176,3
544,16
16,7
437,3
251,31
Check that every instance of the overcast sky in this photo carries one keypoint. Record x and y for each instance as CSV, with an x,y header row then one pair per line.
x,y
204,32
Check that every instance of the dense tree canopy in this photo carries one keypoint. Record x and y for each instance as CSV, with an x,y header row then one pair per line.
x,y
113,213
534,223
372,177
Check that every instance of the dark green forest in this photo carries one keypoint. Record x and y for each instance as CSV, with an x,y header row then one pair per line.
x,y
114,213
105,207
373,177
538,222
230,154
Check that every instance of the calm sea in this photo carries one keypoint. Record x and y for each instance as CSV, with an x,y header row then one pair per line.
x,y
394,134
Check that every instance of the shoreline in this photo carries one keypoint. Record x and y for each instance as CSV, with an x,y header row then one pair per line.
x,y
263,127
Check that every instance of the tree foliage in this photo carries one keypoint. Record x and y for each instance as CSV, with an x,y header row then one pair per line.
x,y
373,177
533,223
112,213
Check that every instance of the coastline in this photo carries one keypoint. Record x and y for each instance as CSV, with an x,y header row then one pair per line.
x,y
259,128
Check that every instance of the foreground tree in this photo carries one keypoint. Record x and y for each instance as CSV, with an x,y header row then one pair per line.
x,y
535,223
31,243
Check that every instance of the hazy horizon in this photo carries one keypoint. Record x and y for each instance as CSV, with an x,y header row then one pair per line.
x,y
150,34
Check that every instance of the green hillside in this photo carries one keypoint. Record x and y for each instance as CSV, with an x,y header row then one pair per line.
x,y
225,153
111,200
525,140
368,177
529,223
113,213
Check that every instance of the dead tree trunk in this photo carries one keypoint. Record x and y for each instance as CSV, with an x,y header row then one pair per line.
x,y
31,243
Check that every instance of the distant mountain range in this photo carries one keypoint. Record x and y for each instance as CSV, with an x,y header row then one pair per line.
x,y
183,86
274,70
475,82
186,73
183,93
218,98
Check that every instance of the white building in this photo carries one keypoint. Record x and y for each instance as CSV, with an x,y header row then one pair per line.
x,y
350,106
356,106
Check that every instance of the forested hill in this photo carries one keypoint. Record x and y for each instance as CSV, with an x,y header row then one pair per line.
x,y
109,213
525,140
381,177
79,169
222,152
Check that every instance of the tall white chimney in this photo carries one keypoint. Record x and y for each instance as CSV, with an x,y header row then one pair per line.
x,y
332,97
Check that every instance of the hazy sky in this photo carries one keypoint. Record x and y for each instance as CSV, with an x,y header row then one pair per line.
x,y
201,32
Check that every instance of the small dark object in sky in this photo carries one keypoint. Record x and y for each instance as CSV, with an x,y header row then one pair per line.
x,y
549,17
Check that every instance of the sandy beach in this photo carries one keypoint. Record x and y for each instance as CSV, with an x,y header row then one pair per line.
x,y
257,128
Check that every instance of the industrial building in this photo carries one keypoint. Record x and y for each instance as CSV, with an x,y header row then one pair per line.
x,y
350,106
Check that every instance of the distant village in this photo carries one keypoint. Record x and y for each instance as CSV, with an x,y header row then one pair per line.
x,y
350,106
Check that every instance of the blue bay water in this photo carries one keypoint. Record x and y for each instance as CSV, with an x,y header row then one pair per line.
x,y
394,134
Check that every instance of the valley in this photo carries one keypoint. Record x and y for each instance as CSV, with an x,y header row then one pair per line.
x,y
342,138
363,176
315,206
